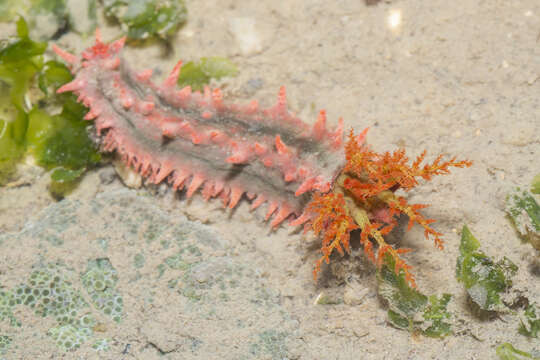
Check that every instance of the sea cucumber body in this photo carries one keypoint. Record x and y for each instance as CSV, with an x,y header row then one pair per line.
x,y
196,140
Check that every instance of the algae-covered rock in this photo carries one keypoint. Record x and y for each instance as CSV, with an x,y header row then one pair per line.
x,y
187,284
100,280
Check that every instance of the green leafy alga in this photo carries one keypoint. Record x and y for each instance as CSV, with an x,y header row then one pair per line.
x,y
20,60
408,308
199,74
485,280
56,141
53,75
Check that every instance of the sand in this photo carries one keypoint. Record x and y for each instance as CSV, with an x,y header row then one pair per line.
x,y
460,78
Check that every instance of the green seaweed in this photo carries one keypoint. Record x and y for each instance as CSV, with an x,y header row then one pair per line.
x,y
53,75
20,60
40,127
63,181
60,142
57,141
69,146
409,309
485,280
506,351
11,149
143,19
524,211
61,175
199,74
530,321
436,316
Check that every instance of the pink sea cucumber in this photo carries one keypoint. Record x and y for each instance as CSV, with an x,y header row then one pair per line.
x,y
196,140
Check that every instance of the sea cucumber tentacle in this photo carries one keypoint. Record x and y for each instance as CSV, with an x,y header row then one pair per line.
x,y
200,141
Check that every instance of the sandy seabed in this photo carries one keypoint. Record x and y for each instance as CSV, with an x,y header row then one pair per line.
x,y
460,78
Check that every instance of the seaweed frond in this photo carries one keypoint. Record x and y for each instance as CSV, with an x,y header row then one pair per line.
x,y
398,205
333,220
373,172
363,197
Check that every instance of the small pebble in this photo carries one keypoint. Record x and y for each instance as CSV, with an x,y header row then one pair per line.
x,y
354,294
246,35
107,175
129,177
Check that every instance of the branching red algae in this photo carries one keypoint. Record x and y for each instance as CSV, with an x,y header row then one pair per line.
x,y
363,197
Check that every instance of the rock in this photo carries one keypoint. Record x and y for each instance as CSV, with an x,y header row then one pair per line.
x,y
107,175
129,177
354,294
246,35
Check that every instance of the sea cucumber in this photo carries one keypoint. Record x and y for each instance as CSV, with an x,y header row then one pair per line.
x,y
196,140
